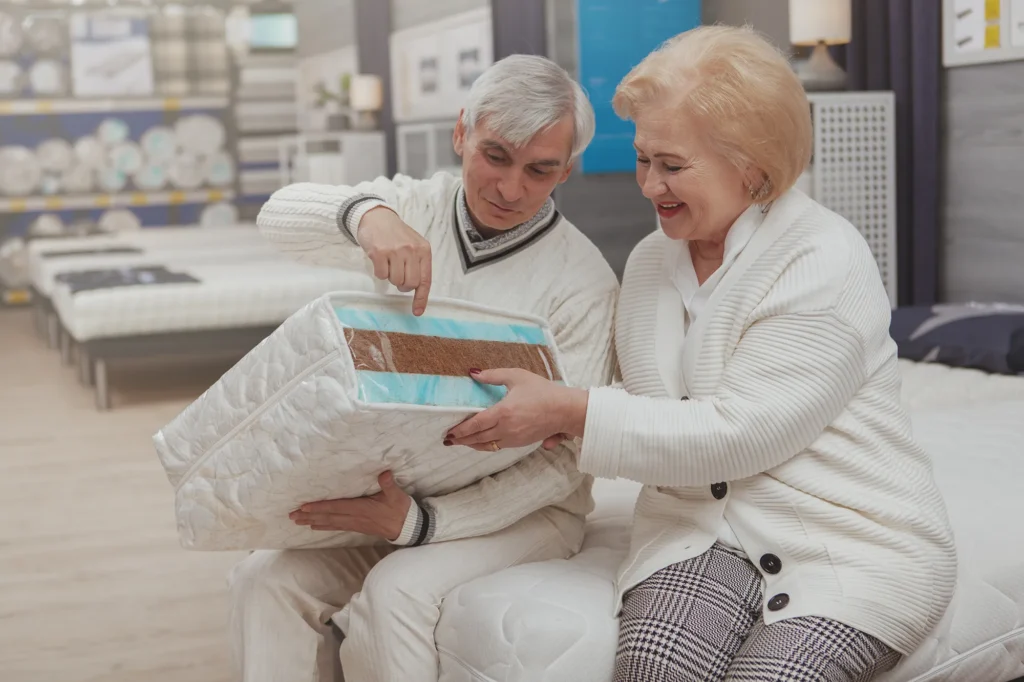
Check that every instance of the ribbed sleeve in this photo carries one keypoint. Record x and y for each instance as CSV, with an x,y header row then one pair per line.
x,y
541,479
790,377
318,224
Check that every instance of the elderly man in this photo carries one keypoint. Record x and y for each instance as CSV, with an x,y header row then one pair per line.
x,y
492,236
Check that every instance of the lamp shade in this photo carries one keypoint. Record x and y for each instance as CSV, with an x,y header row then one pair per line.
x,y
366,92
819,21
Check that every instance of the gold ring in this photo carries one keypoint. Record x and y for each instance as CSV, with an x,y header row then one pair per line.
x,y
494,446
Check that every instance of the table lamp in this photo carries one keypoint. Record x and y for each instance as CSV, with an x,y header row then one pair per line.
x,y
366,99
819,24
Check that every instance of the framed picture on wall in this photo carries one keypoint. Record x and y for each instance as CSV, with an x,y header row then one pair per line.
x,y
434,65
982,31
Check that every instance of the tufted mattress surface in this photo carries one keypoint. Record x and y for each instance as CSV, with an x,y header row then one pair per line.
x,y
349,386
552,621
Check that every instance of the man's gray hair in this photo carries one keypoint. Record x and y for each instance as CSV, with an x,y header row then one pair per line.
x,y
522,95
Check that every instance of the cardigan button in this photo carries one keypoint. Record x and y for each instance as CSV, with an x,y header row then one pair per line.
x,y
719,490
778,602
771,564
685,397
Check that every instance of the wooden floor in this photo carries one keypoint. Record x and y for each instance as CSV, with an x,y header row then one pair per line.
x,y
93,584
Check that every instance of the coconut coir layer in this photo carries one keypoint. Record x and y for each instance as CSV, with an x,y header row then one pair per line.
x,y
414,354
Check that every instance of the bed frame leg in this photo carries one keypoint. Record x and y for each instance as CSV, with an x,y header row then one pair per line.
x,y
85,368
52,331
39,318
66,352
102,389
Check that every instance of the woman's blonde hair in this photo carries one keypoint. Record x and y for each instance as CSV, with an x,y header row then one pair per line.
x,y
740,89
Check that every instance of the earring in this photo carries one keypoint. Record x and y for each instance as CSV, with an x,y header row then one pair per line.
x,y
761,192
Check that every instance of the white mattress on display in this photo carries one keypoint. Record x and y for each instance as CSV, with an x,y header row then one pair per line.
x,y
44,274
552,621
351,385
152,237
227,296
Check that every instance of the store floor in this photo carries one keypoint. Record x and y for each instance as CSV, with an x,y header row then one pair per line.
x,y
93,584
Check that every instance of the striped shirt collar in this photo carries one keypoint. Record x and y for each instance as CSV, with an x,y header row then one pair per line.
x,y
478,252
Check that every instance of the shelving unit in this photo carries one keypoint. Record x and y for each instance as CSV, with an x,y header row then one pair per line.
x,y
22,107
184,175
121,200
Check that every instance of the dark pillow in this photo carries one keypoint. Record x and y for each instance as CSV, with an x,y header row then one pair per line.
x,y
989,337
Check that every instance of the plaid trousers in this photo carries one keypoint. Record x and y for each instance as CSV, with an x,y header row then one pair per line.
x,y
700,621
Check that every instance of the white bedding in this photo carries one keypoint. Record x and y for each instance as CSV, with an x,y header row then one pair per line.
x,y
338,393
228,296
552,622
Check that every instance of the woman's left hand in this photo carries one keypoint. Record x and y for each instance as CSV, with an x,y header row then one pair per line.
x,y
534,410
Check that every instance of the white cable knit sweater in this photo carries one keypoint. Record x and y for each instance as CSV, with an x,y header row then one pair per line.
x,y
794,430
545,267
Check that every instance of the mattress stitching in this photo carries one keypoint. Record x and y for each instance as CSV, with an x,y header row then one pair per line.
x,y
465,666
957,660
255,414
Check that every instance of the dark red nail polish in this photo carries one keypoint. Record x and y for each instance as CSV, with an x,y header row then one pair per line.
x,y
447,443
474,371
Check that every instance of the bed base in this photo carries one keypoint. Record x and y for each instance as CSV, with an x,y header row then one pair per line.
x,y
95,356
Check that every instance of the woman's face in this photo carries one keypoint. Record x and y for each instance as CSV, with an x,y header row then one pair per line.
x,y
697,193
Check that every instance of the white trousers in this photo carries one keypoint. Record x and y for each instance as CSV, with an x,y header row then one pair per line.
x,y
385,600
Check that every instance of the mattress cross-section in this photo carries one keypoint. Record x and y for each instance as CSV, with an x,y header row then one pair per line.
x,y
350,386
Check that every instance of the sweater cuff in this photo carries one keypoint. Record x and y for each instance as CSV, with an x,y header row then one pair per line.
x,y
601,447
418,527
352,211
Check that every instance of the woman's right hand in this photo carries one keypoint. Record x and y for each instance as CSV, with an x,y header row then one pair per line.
x,y
399,254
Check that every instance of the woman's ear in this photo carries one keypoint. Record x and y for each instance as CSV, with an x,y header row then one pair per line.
x,y
757,183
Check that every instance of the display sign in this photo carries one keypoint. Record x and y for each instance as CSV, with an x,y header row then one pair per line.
x,y
613,37
110,56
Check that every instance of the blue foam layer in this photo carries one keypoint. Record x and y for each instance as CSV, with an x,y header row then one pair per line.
x,y
426,389
439,326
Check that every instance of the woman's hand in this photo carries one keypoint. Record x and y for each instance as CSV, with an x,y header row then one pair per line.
x,y
382,514
534,410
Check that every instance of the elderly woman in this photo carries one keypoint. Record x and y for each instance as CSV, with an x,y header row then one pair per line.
x,y
789,527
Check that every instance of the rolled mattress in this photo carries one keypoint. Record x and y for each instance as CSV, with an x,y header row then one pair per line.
x,y
349,386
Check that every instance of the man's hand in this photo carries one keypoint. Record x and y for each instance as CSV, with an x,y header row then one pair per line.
x,y
382,514
399,254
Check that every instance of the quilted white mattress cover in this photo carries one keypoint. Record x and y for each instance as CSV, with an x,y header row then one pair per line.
x,y
228,296
552,622
296,420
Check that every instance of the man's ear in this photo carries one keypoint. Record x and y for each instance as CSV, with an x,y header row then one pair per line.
x,y
566,173
459,136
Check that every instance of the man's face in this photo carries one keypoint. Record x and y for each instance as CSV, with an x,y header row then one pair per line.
x,y
506,186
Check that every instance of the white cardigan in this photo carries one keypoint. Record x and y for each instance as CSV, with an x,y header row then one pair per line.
x,y
794,431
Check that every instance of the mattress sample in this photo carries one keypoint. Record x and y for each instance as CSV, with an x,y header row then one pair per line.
x,y
552,621
350,386
217,296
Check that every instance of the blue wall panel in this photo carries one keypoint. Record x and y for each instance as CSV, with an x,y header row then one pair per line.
x,y
613,37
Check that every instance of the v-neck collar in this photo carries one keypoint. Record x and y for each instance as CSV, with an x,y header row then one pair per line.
x,y
477,252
